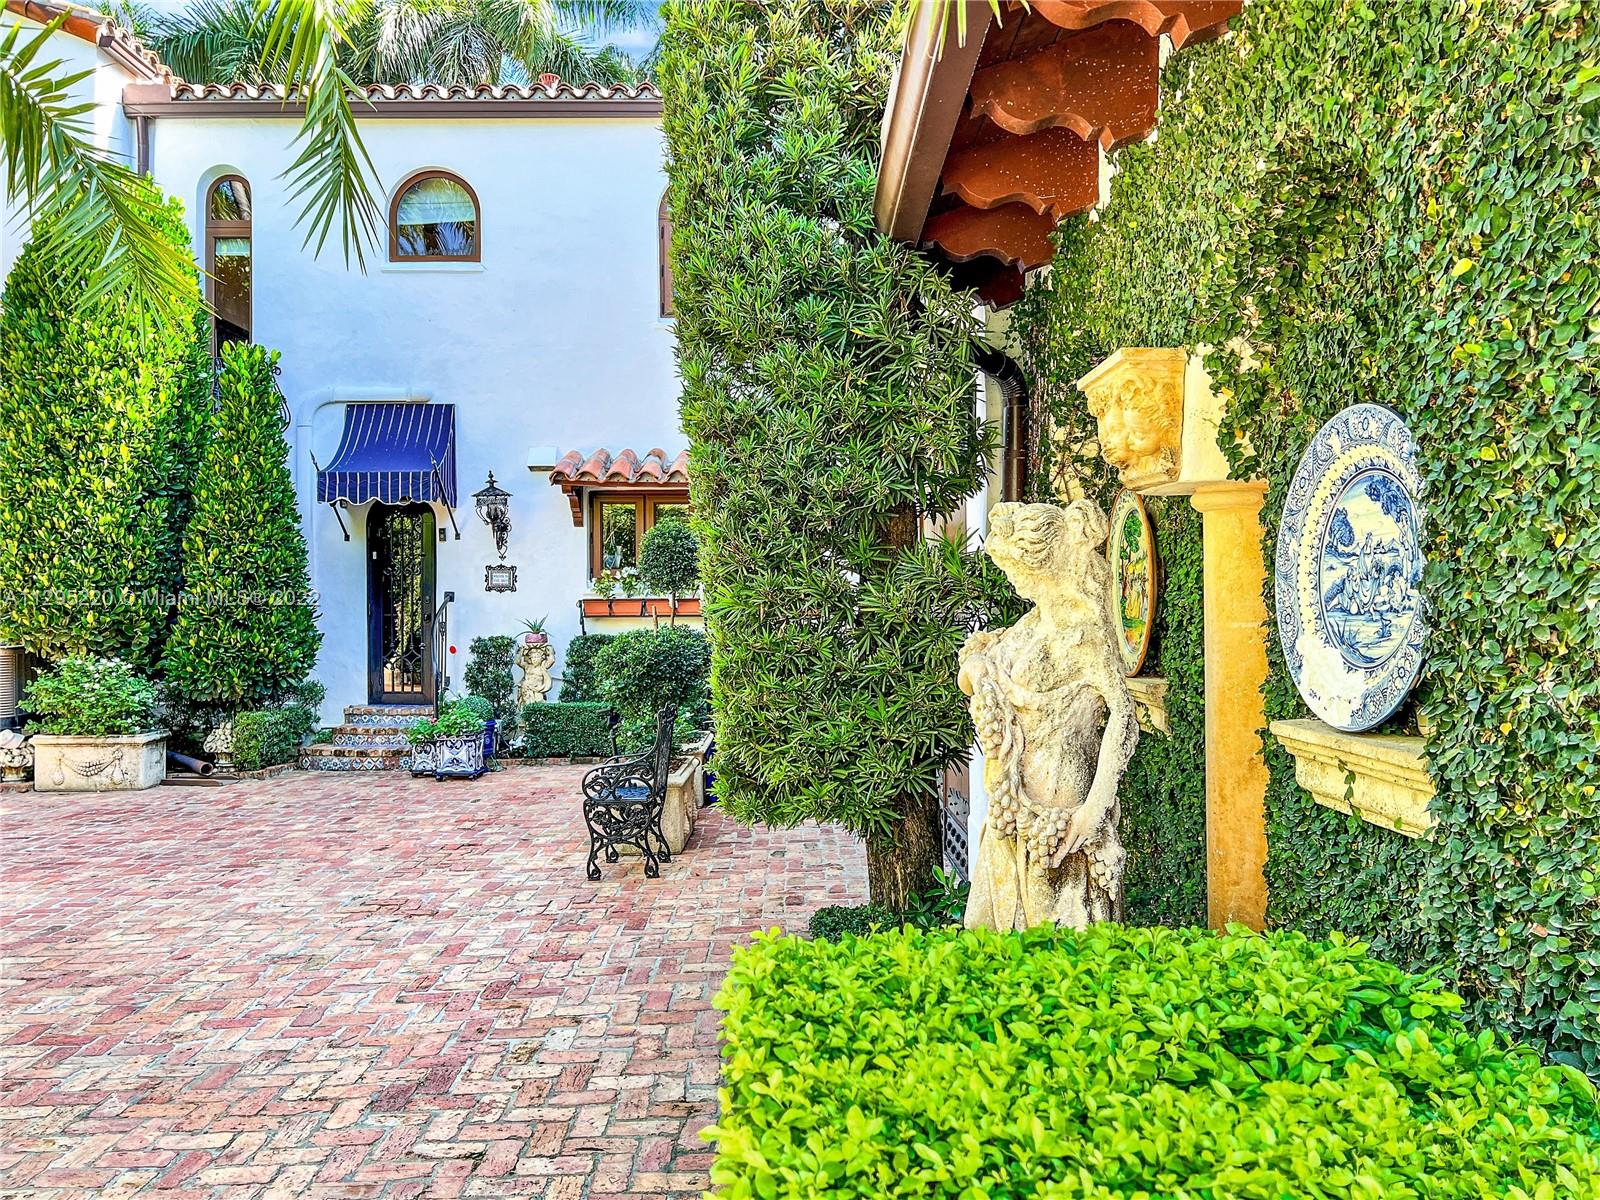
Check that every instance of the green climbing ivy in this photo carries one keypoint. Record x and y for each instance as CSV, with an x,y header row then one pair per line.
x,y
1396,203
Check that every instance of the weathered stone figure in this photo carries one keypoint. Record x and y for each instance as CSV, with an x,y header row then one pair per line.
x,y
1055,723
535,659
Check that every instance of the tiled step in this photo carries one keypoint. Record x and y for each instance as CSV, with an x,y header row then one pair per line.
x,y
325,757
392,715
375,736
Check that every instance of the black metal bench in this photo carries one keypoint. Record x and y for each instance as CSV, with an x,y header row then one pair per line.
x,y
623,799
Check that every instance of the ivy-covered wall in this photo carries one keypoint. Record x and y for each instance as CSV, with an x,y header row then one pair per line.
x,y
1398,204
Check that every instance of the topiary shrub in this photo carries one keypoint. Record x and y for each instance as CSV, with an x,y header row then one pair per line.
x,y
1117,1062
90,697
827,395
833,922
669,561
246,631
576,729
100,426
643,670
578,678
488,675
269,737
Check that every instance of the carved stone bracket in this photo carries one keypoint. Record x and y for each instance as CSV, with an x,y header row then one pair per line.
x,y
1150,703
1158,416
1380,778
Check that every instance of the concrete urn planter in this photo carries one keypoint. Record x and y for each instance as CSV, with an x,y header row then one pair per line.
x,y
120,763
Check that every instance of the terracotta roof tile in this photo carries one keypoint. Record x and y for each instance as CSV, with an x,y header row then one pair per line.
x,y
550,90
623,467
98,30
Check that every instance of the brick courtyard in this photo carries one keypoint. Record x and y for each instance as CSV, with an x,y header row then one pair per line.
x,y
326,985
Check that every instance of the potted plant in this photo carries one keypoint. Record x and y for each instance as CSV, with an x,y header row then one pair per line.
x,y
94,728
485,711
451,745
534,634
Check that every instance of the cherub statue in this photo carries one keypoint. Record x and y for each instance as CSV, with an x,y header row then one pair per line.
x,y
535,659
1055,723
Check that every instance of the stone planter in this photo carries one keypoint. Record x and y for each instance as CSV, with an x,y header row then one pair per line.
x,y
124,763
449,757
686,792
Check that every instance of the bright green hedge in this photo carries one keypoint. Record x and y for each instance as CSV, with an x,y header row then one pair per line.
x,y
579,728
1126,1063
827,395
269,737
100,426
246,631
577,677
1396,203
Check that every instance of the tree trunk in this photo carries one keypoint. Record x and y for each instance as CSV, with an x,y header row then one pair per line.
x,y
900,866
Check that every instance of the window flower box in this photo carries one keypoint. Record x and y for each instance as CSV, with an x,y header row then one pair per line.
x,y
639,606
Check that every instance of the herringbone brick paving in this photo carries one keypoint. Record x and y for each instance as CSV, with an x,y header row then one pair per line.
x,y
327,985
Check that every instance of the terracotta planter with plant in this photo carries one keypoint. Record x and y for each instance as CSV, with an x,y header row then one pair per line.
x,y
94,728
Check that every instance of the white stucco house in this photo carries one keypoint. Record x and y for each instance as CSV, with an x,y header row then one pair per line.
x,y
514,321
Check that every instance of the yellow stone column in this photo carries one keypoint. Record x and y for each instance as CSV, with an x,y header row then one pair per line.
x,y
1234,575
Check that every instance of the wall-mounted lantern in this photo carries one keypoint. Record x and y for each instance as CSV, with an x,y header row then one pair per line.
x,y
495,509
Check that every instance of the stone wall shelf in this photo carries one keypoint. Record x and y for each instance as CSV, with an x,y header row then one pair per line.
x,y
1381,778
1149,694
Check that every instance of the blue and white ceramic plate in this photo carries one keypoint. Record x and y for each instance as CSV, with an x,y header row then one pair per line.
x,y
1348,577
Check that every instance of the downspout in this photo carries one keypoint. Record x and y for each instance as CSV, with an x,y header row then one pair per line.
x,y
1013,385
141,144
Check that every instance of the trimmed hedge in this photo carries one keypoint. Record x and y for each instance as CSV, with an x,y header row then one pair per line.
x,y
578,680
580,729
266,737
1126,1063
640,672
833,922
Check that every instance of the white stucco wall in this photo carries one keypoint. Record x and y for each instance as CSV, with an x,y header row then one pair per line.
x,y
555,339
106,126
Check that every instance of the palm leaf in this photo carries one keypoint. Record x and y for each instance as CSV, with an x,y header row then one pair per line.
x,y
101,217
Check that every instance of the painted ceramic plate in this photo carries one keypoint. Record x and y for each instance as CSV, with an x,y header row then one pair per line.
x,y
1348,575
1133,578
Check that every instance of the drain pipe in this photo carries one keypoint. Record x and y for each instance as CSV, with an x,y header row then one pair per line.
x,y
1013,385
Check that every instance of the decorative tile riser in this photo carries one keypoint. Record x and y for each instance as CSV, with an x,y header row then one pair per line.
x,y
330,762
372,741
380,721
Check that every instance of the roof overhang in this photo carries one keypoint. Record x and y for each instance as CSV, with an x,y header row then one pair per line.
x,y
399,101
654,472
99,30
991,140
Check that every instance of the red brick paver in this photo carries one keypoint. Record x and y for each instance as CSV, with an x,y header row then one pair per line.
x,y
327,985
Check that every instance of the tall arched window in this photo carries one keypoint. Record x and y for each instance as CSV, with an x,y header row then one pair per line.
x,y
228,260
434,218
664,246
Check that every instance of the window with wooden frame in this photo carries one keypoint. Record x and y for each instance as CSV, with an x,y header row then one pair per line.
x,y
228,261
618,522
664,245
434,218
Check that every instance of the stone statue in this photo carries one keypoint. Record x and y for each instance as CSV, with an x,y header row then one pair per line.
x,y
535,659
1055,723
1136,397
16,757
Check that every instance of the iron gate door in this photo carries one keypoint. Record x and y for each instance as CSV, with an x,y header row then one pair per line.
x,y
400,604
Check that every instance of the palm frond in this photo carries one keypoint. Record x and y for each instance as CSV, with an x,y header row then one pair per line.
x,y
100,216
333,172
217,41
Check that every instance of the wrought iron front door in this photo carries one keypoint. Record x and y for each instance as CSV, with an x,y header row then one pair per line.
x,y
400,604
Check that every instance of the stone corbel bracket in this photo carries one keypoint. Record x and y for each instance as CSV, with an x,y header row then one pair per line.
x,y
1381,778
1158,416
1150,703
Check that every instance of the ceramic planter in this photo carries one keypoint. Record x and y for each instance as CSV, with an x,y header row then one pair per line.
x,y
459,757
123,763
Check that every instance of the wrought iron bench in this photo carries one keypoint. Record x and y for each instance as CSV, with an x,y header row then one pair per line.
x,y
623,799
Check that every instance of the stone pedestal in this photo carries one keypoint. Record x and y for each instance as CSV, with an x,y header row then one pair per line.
x,y
1234,575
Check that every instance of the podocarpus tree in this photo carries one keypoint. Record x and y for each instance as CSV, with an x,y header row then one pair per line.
x,y
246,632
99,435
827,394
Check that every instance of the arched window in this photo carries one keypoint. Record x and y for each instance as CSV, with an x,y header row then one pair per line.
x,y
228,260
664,246
434,218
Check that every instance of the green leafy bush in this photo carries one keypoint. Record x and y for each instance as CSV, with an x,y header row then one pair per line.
x,y
669,560
100,425
581,729
640,672
90,697
480,706
833,922
488,674
246,630
268,737
827,396
1117,1063
455,718
578,677
1358,206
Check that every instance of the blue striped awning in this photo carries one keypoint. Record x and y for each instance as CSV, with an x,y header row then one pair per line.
x,y
394,454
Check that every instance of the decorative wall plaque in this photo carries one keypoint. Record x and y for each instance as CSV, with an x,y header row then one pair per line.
x,y
1349,569
1136,397
500,578
1133,578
